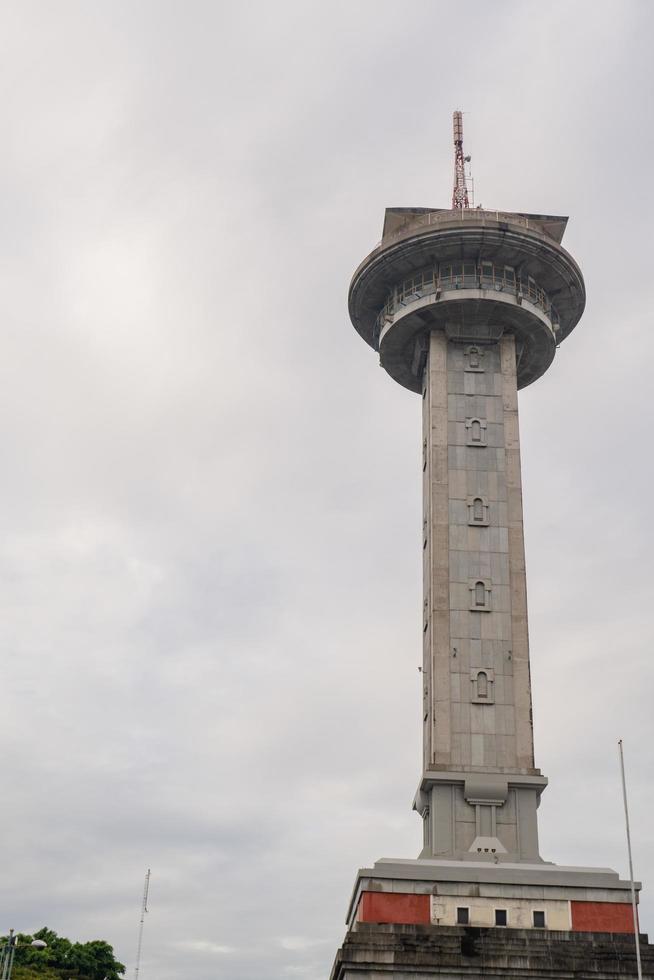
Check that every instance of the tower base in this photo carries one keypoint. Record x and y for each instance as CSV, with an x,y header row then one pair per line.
x,y
413,952
416,919
448,893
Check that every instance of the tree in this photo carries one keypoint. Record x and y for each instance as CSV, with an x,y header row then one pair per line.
x,y
65,960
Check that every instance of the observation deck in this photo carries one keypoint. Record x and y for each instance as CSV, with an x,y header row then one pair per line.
x,y
473,274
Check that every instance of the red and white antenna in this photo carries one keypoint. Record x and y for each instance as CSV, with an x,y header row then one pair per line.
x,y
460,194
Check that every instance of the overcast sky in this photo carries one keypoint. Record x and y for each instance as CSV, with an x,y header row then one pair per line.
x,y
210,522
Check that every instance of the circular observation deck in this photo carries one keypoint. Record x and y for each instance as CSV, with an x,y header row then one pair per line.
x,y
473,274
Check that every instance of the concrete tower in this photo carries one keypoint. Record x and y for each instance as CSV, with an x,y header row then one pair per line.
x,y
465,307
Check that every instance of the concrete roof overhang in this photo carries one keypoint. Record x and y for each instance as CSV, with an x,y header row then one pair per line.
x,y
504,239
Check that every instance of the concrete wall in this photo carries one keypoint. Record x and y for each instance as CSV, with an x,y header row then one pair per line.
x,y
561,913
519,911
465,727
422,952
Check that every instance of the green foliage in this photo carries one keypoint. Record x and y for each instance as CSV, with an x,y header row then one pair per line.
x,y
64,960
27,973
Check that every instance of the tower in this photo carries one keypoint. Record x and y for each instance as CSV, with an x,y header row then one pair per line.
x,y
461,307
465,307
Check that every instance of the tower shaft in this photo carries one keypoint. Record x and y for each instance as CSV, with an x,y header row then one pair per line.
x,y
480,789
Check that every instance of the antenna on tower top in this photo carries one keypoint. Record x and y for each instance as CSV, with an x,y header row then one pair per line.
x,y
460,198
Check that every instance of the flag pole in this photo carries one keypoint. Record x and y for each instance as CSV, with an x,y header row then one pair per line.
x,y
631,866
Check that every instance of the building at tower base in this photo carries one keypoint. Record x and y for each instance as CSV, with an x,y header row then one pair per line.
x,y
522,896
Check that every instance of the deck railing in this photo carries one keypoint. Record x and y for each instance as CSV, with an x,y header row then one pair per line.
x,y
466,275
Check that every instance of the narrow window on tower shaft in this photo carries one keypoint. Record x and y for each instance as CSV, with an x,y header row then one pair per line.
x,y
480,594
475,431
482,684
478,509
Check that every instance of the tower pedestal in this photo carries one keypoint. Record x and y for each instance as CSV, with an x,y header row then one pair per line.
x,y
526,896
414,952
476,816
421,918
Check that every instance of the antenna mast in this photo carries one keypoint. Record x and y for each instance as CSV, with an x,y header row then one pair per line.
x,y
144,909
460,193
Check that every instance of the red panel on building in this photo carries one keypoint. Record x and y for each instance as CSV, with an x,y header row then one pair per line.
x,y
394,907
602,917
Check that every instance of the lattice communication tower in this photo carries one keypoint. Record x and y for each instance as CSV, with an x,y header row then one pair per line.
x,y
460,197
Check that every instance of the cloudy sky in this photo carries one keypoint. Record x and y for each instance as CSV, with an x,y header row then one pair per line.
x,y
209,531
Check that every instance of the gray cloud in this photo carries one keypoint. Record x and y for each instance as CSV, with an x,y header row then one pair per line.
x,y
209,553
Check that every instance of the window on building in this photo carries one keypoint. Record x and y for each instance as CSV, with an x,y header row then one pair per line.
x,y
480,594
539,920
462,916
500,917
478,509
475,431
482,684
